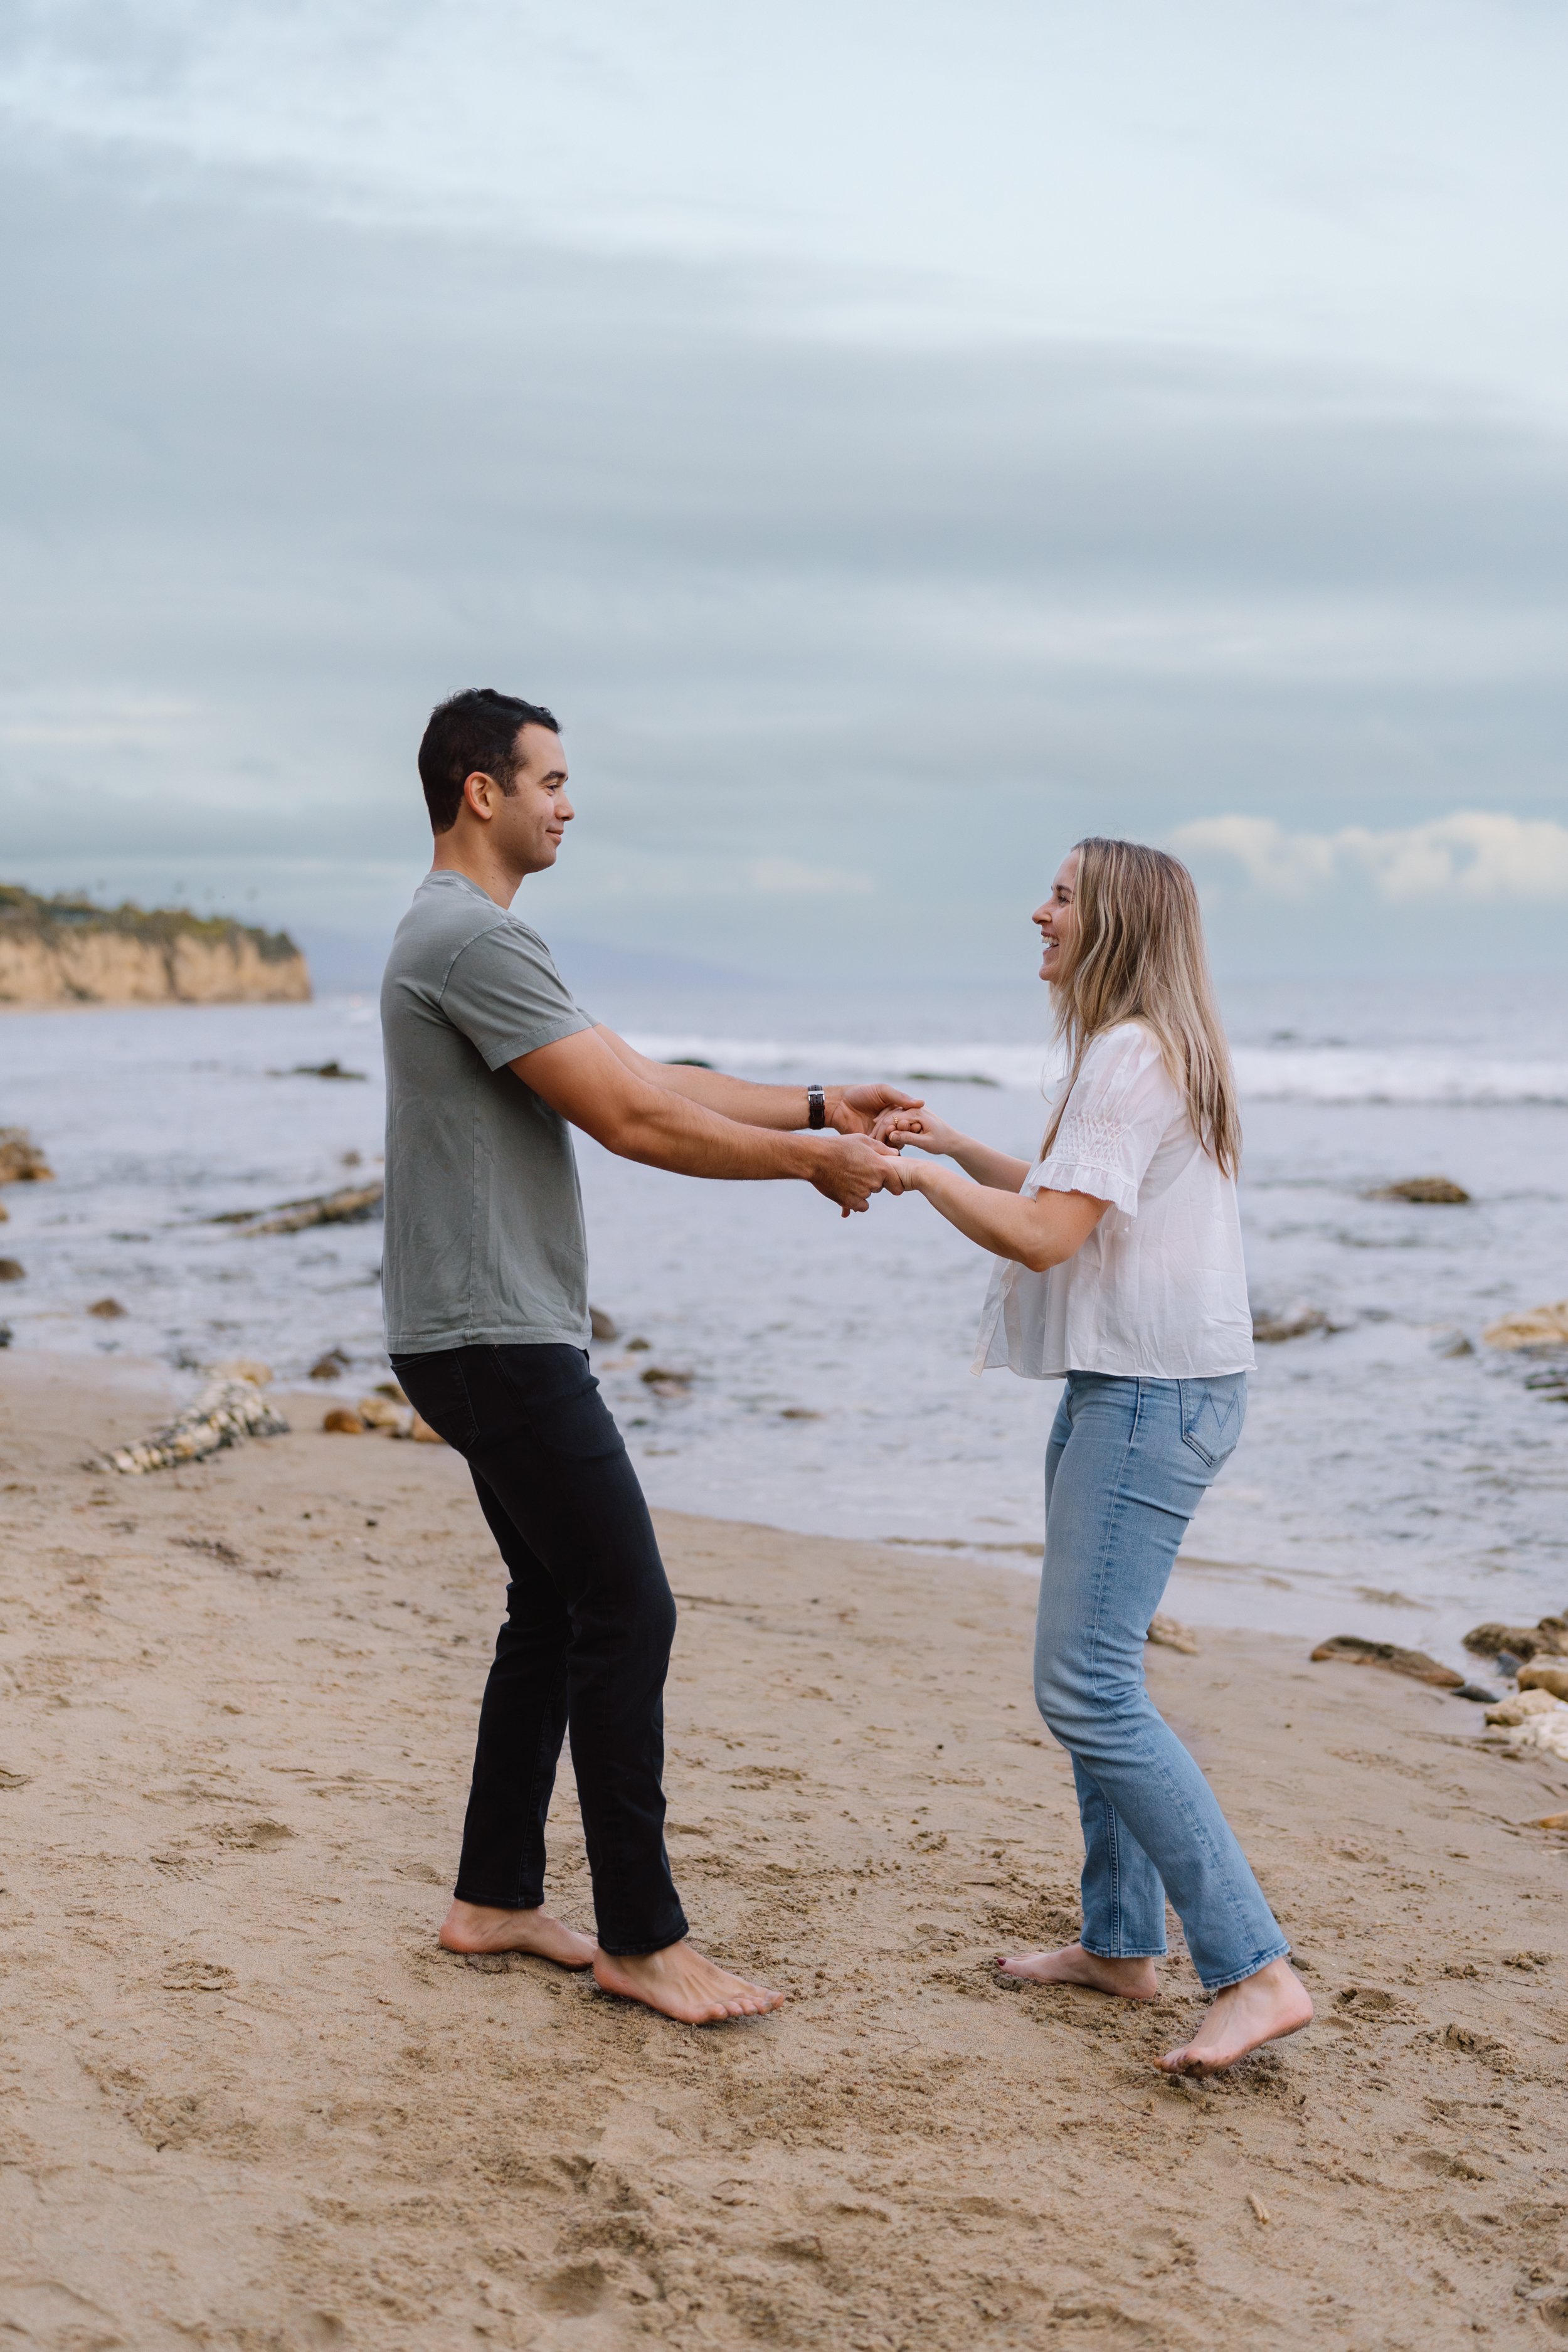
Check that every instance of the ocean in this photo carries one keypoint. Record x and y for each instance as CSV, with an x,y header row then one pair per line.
x,y
1396,1478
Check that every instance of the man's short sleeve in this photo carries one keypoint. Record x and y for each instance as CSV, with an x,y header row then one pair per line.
x,y
505,994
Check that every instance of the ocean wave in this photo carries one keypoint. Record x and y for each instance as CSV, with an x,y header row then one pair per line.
x,y
1264,1073
1344,1075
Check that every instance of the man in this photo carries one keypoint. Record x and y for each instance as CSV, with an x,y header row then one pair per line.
x,y
490,1063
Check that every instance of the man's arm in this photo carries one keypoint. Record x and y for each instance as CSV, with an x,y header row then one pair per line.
x,y
853,1110
639,1118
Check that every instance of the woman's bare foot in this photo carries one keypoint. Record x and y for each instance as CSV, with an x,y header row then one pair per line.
x,y
1261,2008
478,1928
679,1983
1130,1979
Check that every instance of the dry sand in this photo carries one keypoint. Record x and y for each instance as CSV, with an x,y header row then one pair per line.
x,y
250,2103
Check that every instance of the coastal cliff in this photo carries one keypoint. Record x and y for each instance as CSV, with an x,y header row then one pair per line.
x,y
66,951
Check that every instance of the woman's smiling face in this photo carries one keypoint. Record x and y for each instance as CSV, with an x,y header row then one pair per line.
x,y
1057,920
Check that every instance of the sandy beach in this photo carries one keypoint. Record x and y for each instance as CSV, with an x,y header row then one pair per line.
x,y
250,2103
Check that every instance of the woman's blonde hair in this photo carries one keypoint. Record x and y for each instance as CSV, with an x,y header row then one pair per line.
x,y
1140,956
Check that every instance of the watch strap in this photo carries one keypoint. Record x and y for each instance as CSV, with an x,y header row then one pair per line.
x,y
817,1106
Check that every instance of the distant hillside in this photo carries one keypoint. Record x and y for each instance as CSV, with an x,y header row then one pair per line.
x,y
66,951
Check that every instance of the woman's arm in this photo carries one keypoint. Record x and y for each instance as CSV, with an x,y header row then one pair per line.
x,y
923,1129
1037,1232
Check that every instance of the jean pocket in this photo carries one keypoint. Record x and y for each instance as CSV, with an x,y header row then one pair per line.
x,y
560,1400
1212,1415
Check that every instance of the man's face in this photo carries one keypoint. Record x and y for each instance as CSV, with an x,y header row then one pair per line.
x,y
527,823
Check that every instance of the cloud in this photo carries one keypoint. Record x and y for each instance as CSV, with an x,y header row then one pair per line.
x,y
811,610
1481,853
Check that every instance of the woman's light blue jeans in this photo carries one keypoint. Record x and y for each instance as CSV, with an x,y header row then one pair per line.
x,y
1126,1467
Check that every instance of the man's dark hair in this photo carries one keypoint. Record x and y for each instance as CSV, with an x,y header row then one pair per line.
x,y
474,732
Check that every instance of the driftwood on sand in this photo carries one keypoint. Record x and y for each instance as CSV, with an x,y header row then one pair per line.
x,y
226,1412
1351,1650
353,1204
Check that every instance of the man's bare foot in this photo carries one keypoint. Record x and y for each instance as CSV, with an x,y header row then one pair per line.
x,y
1261,2008
1131,1979
679,1983
478,1928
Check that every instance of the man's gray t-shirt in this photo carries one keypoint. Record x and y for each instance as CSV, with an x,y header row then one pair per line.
x,y
484,1217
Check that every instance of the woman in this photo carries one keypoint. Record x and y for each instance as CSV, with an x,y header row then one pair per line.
x,y
1122,1271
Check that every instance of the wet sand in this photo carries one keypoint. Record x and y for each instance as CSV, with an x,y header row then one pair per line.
x,y
249,2103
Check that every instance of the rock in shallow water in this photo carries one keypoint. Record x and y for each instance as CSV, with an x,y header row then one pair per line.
x,y
21,1161
1434,1191
1548,1639
1532,1326
1293,1323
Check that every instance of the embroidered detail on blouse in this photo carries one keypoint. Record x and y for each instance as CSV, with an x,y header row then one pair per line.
x,y
1084,1135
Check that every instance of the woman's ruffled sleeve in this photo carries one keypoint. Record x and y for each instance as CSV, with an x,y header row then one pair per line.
x,y
1116,1115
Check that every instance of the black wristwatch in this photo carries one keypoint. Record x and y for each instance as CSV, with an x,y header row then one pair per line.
x,y
816,1104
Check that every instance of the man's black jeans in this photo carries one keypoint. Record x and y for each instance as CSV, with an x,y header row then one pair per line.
x,y
590,1620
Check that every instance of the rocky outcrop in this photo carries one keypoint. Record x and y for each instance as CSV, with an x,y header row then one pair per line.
x,y
66,951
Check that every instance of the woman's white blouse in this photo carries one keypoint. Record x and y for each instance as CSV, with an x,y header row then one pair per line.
x,y
1159,1288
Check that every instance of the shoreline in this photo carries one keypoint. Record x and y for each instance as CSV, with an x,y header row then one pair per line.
x,y
251,2101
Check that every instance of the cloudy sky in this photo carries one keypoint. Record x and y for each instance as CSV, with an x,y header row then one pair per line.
x,y
897,439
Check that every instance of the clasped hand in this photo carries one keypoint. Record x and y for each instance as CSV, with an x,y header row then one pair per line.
x,y
861,1164
877,1122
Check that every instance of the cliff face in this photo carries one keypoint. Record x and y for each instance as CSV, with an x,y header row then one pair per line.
x,y
68,951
